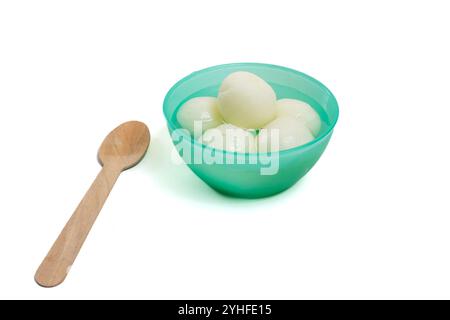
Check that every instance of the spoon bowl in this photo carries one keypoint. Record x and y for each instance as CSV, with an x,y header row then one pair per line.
x,y
125,145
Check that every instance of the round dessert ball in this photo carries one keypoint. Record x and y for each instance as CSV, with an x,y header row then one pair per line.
x,y
288,132
202,112
300,110
229,137
246,100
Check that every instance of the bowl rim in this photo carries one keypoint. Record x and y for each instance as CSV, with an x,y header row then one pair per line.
x,y
256,64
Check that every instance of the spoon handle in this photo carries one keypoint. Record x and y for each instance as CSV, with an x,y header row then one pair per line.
x,y
53,270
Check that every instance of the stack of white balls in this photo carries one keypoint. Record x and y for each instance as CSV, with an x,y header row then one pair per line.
x,y
242,117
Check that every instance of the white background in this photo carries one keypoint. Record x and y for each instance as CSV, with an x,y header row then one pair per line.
x,y
371,220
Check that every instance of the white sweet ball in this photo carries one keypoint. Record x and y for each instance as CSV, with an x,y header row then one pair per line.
x,y
231,138
200,110
246,100
288,132
300,110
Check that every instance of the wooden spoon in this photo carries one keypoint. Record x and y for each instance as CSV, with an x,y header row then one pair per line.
x,y
123,148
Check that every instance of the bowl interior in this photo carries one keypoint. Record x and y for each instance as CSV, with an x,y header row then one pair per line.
x,y
287,83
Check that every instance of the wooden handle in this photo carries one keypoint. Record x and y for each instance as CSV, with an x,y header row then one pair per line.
x,y
53,270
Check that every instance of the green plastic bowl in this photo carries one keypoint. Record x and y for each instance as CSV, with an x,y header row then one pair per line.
x,y
251,175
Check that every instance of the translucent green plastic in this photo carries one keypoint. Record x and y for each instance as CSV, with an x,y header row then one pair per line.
x,y
245,180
